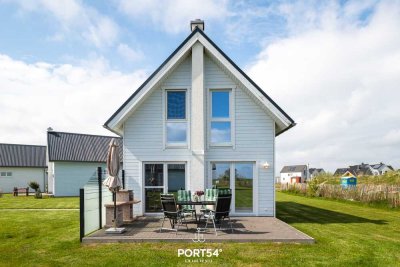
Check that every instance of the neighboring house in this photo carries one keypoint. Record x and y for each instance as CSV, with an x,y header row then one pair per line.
x,y
294,174
315,171
200,121
364,169
73,159
382,168
340,171
21,164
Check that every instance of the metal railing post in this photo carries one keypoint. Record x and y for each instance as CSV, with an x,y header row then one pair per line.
x,y
123,179
81,213
99,177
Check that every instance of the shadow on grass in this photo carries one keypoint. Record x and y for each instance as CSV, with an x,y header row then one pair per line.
x,y
292,212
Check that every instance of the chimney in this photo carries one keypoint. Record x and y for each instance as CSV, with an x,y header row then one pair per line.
x,y
197,23
49,129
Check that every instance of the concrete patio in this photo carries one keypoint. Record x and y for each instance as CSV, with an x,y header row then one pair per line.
x,y
246,229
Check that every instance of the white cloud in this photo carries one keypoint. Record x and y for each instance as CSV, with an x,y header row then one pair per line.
x,y
128,53
75,98
339,79
74,16
173,16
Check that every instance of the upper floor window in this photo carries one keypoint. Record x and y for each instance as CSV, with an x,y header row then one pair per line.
x,y
176,118
221,117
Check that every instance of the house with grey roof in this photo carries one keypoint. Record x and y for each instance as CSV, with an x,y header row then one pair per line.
x,y
294,174
365,169
315,172
73,159
21,164
382,168
341,171
199,121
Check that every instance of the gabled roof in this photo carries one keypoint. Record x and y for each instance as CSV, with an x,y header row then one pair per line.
x,y
349,174
340,171
114,123
293,168
79,147
12,155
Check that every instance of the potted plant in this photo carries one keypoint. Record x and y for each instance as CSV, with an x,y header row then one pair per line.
x,y
35,186
197,195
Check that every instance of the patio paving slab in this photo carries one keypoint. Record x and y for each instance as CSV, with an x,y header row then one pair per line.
x,y
246,229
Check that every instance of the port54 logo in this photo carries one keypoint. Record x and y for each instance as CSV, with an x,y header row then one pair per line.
x,y
199,252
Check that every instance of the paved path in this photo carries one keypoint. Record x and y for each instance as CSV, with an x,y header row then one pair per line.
x,y
246,229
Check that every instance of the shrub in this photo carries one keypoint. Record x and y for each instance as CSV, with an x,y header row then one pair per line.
x,y
34,185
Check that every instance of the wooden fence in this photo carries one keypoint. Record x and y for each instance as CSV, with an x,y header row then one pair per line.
x,y
388,194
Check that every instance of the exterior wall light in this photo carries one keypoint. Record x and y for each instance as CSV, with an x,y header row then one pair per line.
x,y
265,165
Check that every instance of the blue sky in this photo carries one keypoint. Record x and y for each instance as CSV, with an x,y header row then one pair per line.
x,y
44,33
332,65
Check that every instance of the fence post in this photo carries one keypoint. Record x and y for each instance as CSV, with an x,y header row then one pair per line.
x,y
81,213
123,179
99,177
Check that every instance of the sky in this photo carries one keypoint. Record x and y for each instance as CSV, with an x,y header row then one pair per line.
x,y
333,66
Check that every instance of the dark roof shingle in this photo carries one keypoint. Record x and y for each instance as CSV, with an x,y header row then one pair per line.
x,y
12,155
294,168
79,147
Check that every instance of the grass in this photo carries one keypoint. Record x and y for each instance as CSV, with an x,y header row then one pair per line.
x,y
346,235
8,201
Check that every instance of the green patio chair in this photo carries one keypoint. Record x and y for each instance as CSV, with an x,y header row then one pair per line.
x,y
209,195
185,195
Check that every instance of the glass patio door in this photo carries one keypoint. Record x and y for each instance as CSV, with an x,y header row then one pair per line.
x,y
153,186
162,178
238,176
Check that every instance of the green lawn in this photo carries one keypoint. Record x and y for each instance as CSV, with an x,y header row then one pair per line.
x,y
8,201
346,234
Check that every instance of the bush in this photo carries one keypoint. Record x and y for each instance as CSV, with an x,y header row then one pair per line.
x,y
34,185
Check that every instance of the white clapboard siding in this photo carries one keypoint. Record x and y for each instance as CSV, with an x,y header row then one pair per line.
x,y
143,133
254,137
69,177
21,177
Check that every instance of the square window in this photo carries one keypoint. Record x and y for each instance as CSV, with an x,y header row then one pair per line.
x,y
220,132
3,174
220,104
176,132
9,173
176,105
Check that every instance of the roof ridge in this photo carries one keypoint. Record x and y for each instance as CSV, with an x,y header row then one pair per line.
x,y
21,145
83,134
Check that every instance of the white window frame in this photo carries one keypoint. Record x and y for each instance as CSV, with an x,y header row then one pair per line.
x,y
6,174
164,187
231,118
165,117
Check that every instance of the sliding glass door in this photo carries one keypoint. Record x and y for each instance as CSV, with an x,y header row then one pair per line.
x,y
244,187
238,176
162,178
153,186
